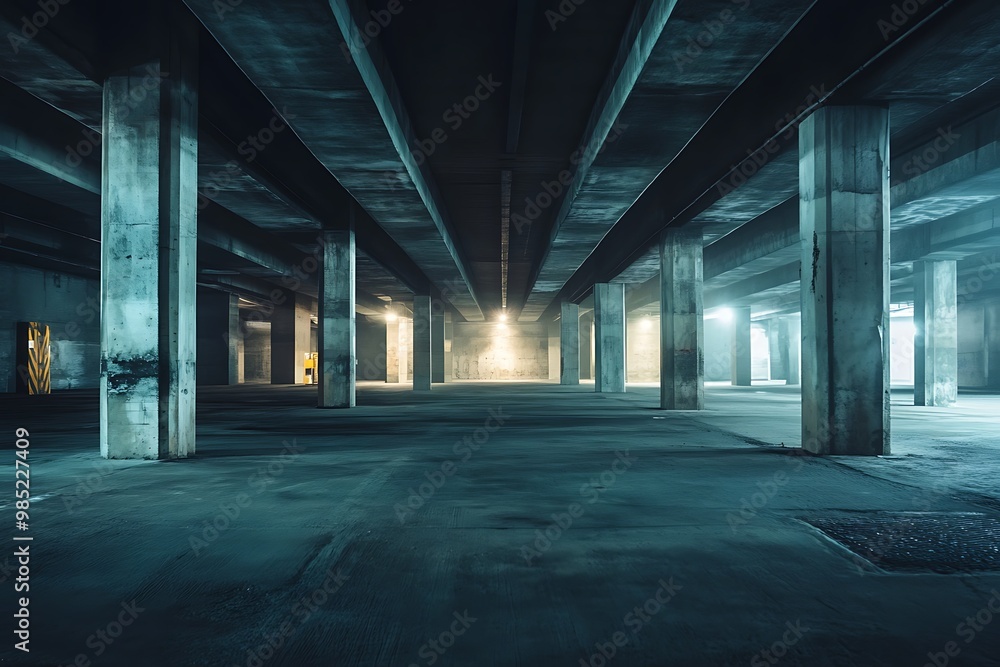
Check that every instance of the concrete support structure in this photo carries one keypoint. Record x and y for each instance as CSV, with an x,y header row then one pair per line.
x,y
991,316
741,359
422,344
587,346
791,348
555,354
569,344
291,331
609,336
149,252
682,324
844,216
438,345
220,340
395,358
449,342
337,325
935,345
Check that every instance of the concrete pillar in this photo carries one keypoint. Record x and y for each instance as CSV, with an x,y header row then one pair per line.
x,y
337,324
437,346
449,341
844,217
422,347
792,327
569,344
682,320
741,359
587,346
219,338
777,343
935,346
149,234
394,371
291,331
609,336
555,353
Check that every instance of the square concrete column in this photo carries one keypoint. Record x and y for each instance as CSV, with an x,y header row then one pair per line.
x,y
149,203
219,338
791,348
569,344
291,331
844,218
422,344
555,353
935,346
609,337
449,341
587,346
742,364
991,316
682,320
437,343
337,323
394,347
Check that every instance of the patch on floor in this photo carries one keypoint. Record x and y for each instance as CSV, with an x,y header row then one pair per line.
x,y
919,542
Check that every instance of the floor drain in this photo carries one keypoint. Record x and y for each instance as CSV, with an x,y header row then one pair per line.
x,y
910,541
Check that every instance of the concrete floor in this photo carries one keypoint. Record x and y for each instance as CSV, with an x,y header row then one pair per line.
x,y
317,495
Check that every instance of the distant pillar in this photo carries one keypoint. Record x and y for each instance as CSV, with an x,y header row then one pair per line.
x,y
792,326
555,353
291,331
682,328
609,321
936,341
844,216
587,346
219,338
394,350
741,358
337,323
437,344
149,233
422,348
569,344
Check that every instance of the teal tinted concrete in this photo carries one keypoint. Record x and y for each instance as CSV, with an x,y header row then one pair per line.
x,y
361,495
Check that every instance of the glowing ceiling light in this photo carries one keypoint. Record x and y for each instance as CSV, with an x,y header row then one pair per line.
x,y
391,317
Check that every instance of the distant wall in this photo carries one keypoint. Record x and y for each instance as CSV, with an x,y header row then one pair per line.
x,y
256,351
483,351
70,306
370,348
642,337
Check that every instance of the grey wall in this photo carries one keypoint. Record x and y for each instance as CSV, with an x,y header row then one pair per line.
x,y
642,348
718,350
370,348
483,351
70,306
256,351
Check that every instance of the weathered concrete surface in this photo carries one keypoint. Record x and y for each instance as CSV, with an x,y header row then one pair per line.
x,y
149,234
422,348
609,337
682,321
742,367
501,351
438,360
337,321
329,505
844,182
569,344
935,355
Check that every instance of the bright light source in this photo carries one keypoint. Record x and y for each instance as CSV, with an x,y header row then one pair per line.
x,y
722,314
391,317
503,317
646,324
502,328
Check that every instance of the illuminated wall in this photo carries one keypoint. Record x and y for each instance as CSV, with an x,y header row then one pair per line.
x,y
494,351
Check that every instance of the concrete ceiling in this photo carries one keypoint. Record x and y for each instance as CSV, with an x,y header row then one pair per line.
x,y
645,108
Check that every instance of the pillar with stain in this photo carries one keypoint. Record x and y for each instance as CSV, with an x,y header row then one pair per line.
x,y
337,324
149,203
682,320
609,336
844,219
